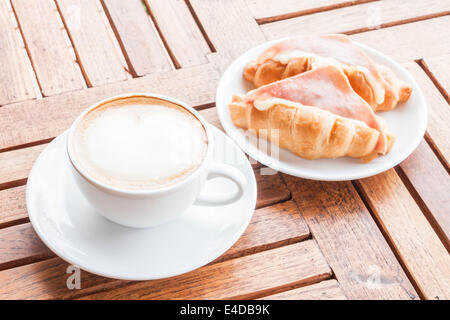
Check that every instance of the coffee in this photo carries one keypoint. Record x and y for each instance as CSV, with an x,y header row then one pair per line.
x,y
139,143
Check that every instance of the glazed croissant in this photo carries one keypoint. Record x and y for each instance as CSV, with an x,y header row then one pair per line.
x,y
315,115
375,83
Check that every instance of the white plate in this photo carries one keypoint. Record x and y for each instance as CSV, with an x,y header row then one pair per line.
x,y
72,229
407,122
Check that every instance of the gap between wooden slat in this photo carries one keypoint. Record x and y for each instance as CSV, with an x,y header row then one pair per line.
x,y
423,207
200,26
130,69
13,184
396,23
24,261
283,288
114,285
243,252
264,247
296,14
362,194
437,152
25,44
172,57
439,86
26,57
71,48
77,56
421,63
13,223
27,145
333,275
39,142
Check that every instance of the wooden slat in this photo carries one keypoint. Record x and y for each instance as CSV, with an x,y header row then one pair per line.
x,y
325,290
404,42
20,245
269,10
47,280
179,30
16,77
229,26
356,18
350,240
283,220
247,277
438,67
100,61
27,122
432,183
12,206
273,226
411,41
138,37
15,165
51,54
438,111
285,267
271,189
407,229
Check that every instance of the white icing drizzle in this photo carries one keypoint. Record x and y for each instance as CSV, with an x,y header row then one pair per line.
x,y
266,104
285,57
263,105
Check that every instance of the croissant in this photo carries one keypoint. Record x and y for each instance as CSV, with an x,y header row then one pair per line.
x,y
375,83
315,115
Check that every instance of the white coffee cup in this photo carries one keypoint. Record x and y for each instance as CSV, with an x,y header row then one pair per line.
x,y
148,208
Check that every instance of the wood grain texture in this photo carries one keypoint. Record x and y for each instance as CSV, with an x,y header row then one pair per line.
x,y
357,18
413,238
27,122
229,26
325,290
20,245
350,240
47,279
410,41
432,183
51,54
269,10
438,111
270,227
12,206
180,32
438,66
138,37
271,189
247,277
98,56
16,76
15,165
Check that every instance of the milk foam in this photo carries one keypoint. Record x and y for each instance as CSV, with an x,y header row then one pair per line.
x,y
140,145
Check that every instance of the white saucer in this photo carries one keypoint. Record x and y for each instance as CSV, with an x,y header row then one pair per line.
x,y
72,229
407,122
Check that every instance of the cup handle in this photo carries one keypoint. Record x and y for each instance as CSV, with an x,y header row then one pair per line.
x,y
215,170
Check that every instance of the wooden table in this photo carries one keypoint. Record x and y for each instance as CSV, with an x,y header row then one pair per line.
x,y
384,237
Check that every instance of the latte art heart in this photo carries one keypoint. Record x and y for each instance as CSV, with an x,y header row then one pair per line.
x,y
139,143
